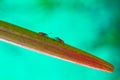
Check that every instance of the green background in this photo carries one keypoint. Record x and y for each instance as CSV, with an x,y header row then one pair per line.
x,y
91,25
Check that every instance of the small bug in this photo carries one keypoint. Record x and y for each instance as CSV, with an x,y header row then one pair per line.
x,y
42,34
59,40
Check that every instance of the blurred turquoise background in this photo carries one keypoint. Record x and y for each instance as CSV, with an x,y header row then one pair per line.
x,y
90,25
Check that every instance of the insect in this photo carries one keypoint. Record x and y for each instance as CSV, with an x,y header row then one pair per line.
x,y
59,40
41,43
42,34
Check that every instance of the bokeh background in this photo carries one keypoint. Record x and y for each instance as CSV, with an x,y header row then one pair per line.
x,y
90,25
